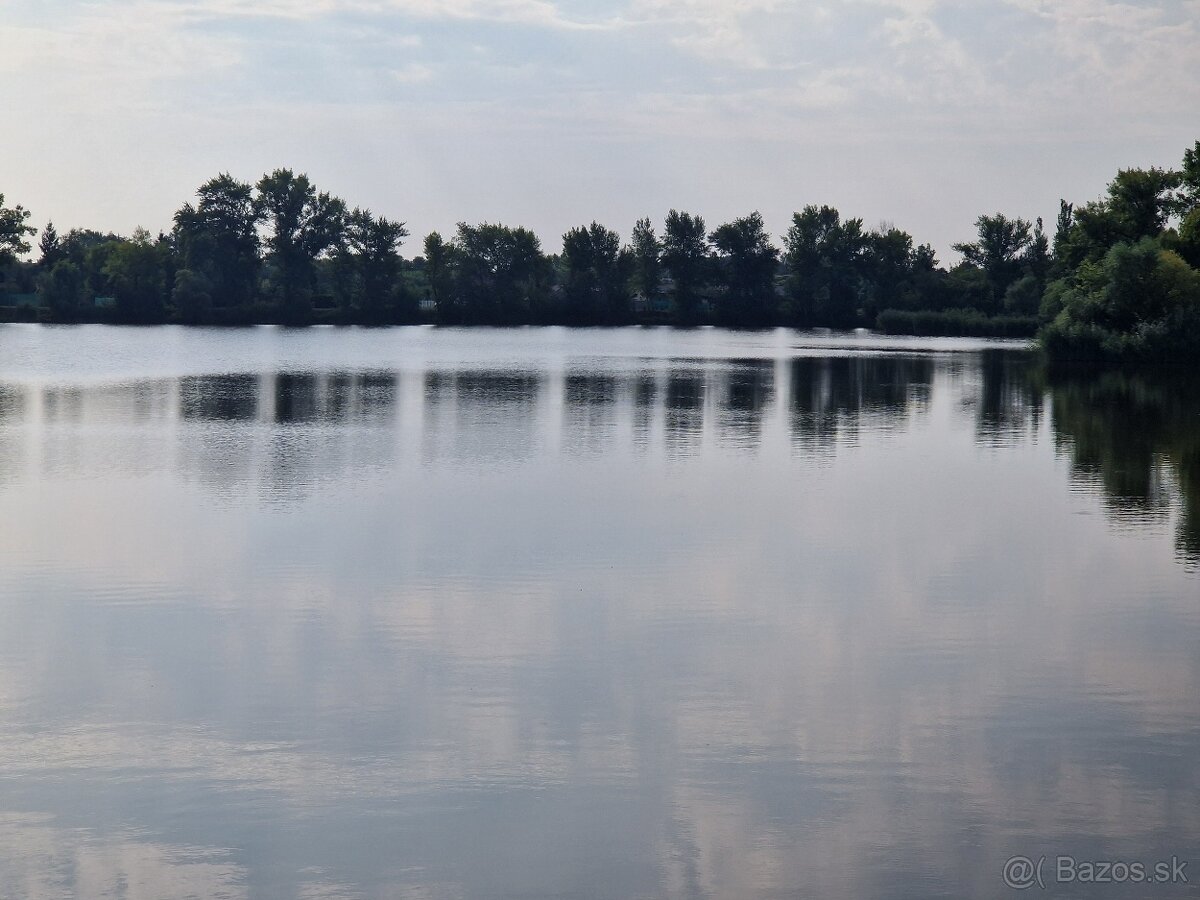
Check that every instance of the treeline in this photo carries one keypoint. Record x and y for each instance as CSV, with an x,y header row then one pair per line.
x,y
282,251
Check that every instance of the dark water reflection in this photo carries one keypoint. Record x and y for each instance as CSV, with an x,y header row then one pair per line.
x,y
534,614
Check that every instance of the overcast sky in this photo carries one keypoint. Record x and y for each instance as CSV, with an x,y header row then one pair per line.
x,y
551,113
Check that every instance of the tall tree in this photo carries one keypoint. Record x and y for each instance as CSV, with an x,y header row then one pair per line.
x,y
135,270
998,252
374,244
748,264
647,258
499,273
218,238
439,270
1138,204
61,289
596,276
13,232
827,263
890,261
685,254
51,248
302,225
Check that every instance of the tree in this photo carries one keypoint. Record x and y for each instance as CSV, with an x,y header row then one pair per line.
x,y
438,266
218,238
302,225
1141,200
135,269
596,275
191,296
1138,204
51,247
826,261
998,252
1023,296
748,263
374,245
647,258
1140,301
61,289
685,254
499,274
1189,178
13,232
889,264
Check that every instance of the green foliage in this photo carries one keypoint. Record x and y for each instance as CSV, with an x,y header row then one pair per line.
x,y
191,296
597,276
51,248
1140,302
1024,296
685,255
490,274
1138,204
13,232
218,238
748,264
61,289
439,269
374,248
827,264
134,269
1188,237
1189,181
647,258
968,322
1000,252
302,226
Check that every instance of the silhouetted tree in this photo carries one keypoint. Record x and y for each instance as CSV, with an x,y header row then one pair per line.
x,y
748,263
374,244
647,258
498,274
61,289
685,254
302,225
826,262
135,270
50,247
13,232
998,253
191,296
218,238
597,274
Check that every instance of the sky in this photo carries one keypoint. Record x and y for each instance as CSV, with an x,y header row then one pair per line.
x,y
555,113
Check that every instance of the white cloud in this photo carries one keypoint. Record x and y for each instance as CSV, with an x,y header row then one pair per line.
x,y
413,73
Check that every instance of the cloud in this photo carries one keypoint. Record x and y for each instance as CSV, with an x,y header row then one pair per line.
x,y
475,89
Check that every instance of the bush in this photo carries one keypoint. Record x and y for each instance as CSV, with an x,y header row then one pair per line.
x,y
955,322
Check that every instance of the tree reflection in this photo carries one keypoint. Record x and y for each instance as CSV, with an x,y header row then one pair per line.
x,y
832,397
685,411
1135,439
749,389
219,398
1010,398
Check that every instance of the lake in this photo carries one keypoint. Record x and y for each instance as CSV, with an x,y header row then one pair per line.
x,y
432,613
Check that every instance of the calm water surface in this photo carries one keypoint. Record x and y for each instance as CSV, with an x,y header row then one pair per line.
x,y
542,613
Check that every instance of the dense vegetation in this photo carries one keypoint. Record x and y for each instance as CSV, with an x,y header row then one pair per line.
x,y
1119,279
1126,285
